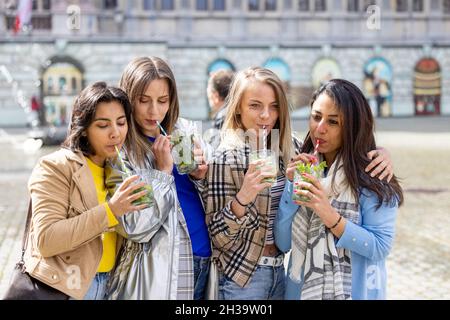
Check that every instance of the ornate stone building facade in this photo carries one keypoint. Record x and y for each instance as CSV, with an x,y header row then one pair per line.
x,y
398,52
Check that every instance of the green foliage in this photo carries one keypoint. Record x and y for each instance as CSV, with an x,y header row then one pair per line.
x,y
314,170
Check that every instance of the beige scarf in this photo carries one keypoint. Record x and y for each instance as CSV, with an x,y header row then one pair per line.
x,y
325,269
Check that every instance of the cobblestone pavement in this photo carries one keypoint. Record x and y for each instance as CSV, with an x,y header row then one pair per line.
x,y
419,264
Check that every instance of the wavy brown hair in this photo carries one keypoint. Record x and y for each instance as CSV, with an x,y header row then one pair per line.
x,y
134,81
357,140
83,113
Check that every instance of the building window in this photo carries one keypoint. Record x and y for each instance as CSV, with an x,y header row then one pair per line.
x,y
50,85
287,5
446,6
201,5
323,71
62,84
353,5
46,5
253,5
417,5
149,5
271,5
74,85
303,5
219,5
41,23
220,64
36,5
368,3
280,68
320,5
204,5
401,5
167,5
427,87
109,4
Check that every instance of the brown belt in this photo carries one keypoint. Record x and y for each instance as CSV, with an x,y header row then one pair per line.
x,y
270,250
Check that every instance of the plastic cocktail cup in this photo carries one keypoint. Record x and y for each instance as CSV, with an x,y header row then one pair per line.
x,y
268,157
183,152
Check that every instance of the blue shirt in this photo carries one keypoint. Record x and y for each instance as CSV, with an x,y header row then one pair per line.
x,y
193,212
369,243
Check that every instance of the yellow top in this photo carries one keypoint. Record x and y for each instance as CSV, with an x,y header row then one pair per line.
x,y
109,238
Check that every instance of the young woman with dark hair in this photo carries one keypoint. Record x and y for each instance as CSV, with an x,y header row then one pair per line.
x,y
342,231
72,244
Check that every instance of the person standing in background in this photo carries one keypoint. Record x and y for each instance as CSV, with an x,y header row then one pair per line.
x,y
217,91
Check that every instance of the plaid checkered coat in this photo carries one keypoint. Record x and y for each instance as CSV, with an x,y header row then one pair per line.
x,y
237,243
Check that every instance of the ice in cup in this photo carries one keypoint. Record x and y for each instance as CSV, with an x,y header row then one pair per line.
x,y
183,151
148,197
315,170
116,172
268,157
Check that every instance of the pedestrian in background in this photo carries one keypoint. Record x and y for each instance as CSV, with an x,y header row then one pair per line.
x,y
219,84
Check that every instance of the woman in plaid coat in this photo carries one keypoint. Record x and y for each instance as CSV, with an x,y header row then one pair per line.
x,y
240,206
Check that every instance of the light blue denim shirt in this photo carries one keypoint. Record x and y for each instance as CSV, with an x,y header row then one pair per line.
x,y
369,243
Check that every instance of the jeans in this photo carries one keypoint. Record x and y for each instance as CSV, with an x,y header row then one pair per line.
x,y
267,283
97,290
201,270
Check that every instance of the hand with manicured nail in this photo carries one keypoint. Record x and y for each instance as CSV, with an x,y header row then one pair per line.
x,y
381,164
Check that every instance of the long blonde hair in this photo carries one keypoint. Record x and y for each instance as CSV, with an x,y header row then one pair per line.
x,y
234,101
134,81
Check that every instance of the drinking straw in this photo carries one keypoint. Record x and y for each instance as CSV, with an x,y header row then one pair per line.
x,y
316,150
265,140
122,164
161,128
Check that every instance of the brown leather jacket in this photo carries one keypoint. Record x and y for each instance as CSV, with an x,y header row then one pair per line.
x,y
64,244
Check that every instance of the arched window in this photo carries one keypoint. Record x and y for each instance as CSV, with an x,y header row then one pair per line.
x,y
324,70
74,85
167,5
378,86
62,84
220,64
427,87
280,67
62,79
49,88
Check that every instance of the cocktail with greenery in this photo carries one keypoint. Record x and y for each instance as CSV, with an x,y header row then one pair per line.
x,y
315,170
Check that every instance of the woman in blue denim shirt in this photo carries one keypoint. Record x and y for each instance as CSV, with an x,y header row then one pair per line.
x,y
343,228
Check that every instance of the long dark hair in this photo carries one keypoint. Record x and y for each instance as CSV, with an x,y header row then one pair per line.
x,y
357,140
83,114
